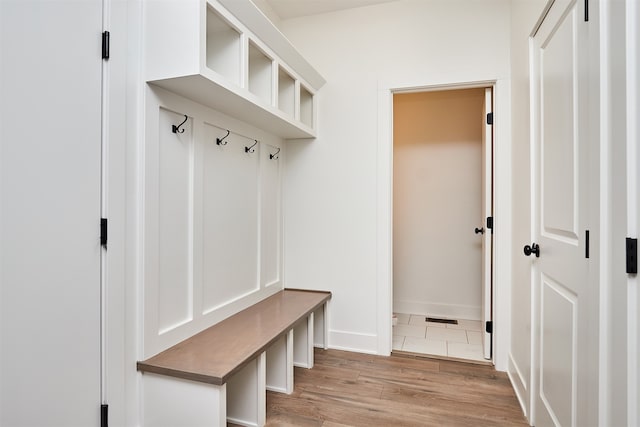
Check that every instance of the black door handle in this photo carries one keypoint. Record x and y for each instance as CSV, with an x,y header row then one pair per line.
x,y
479,230
533,249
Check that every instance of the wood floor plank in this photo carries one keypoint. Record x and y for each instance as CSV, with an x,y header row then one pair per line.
x,y
353,389
469,404
439,381
319,385
365,361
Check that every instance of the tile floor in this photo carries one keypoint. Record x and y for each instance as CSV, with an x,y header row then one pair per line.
x,y
414,334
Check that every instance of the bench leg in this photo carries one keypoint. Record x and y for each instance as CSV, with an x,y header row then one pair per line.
x,y
321,327
325,323
170,402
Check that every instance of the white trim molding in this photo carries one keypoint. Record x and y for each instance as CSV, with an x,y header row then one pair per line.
x,y
502,209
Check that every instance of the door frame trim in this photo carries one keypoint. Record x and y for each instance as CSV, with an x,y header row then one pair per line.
x,y
502,208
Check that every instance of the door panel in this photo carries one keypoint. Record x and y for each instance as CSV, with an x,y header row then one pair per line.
x,y
561,216
50,155
557,349
559,145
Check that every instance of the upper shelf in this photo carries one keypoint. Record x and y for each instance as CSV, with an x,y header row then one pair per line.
x,y
227,55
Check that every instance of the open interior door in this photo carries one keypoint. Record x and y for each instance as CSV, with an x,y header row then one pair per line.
x,y
487,212
566,339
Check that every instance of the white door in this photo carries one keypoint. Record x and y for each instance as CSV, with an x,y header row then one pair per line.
x,y
487,212
50,155
560,266
633,208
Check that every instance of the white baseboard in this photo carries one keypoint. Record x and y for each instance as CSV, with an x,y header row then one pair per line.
x,y
519,384
456,311
352,341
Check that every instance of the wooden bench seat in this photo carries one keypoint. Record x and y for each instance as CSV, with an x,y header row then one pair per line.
x,y
237,344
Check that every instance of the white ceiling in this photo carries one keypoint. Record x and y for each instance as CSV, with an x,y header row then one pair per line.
x,y
287,9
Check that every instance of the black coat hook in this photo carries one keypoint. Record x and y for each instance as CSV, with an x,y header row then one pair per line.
x,y
251,149
221,141
275,155
176,129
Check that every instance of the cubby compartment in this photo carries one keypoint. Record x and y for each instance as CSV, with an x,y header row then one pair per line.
x,y
306,107
222,47
226,55
286,92
260,74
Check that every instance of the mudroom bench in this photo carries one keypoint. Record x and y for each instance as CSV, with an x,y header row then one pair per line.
x,y
222,373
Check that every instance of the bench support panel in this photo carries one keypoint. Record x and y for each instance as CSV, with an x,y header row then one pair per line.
x,y
321,326
170,402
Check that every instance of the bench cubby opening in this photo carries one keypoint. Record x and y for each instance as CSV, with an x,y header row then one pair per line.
x,y
280,366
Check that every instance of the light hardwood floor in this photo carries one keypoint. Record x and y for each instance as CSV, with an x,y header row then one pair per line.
x,y
353,389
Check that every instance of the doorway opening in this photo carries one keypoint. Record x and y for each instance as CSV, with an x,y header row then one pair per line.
x,y
442,223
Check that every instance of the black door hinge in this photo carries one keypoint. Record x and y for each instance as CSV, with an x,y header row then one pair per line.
x,y
104,225
586,10
489,118
488,327
104,415
490,223
632,256
105,45
586,243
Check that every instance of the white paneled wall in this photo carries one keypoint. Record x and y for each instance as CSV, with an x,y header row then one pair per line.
x,y
270,214
230,218
212,218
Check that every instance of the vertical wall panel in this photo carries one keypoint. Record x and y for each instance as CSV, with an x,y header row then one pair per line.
x,y
270,230
230,218
174,222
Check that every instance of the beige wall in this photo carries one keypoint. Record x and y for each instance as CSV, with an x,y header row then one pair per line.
x,y
437,203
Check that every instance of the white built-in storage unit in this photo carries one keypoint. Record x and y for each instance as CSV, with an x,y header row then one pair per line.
x,y
225,54
224,91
